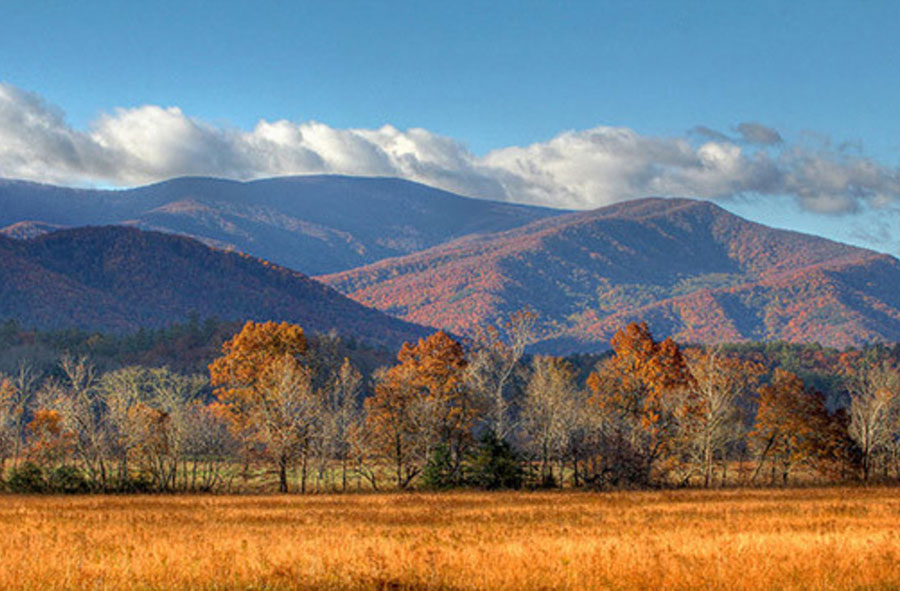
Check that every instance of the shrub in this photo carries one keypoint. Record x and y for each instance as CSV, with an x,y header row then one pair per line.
x,y
131,485
495,465
68,480
439,472
27,478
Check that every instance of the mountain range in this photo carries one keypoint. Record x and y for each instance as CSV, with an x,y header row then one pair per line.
x,y
689,268
312,224
430,258
120,279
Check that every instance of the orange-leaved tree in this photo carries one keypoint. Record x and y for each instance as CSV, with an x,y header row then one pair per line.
x,y
49,443
644,390
246,356
792,426
262,382
421,403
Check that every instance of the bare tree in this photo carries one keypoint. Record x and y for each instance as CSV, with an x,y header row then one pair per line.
x,y
283,418
874,396
496,354
713,420
548,412
337,385
208,445
167,425
25,383
125,393
9,421
79,400
341,413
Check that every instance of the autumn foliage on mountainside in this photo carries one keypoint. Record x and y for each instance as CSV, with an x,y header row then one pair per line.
x,y
689,269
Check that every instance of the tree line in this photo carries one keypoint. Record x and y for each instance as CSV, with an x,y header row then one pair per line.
x,y
280,407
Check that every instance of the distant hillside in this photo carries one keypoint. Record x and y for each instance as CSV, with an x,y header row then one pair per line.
x,y
118,279
691,269
28,229
314,224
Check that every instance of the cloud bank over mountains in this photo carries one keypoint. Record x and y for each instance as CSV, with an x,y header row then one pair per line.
x,y
576,169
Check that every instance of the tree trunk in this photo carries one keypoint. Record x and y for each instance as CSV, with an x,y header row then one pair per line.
x,y
398,449
707,460
282,474
303,475
866,464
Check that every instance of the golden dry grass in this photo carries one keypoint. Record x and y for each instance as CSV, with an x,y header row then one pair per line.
x,y
758,539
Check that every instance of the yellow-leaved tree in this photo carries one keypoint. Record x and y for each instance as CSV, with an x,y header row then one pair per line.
x,y
267,391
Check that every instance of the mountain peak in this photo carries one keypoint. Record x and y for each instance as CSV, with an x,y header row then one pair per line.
x,y
651,207
688,267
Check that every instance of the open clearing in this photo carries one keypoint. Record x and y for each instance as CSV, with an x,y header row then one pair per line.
x,y
834,538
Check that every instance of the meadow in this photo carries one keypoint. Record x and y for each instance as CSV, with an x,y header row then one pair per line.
x,y
826,538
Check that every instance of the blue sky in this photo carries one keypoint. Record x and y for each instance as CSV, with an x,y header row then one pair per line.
x,y
131,92
490,74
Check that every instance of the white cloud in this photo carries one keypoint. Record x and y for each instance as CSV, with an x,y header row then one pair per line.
x,y
576,169
37,144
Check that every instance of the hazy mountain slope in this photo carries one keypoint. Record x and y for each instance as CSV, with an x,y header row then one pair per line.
x,y
688,267
115,278
314,224
28,229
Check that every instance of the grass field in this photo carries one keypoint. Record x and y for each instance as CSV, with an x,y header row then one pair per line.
x,y
837,538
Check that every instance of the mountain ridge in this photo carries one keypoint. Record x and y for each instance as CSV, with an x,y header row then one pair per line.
x,y
116,279
690,268
315,224
674,262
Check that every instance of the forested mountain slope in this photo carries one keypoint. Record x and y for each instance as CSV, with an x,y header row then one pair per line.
x,y
116,278
689,268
